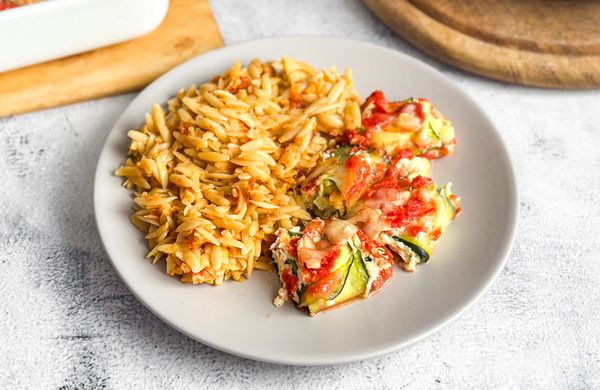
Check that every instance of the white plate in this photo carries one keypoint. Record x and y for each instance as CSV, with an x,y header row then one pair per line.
x,y
238,317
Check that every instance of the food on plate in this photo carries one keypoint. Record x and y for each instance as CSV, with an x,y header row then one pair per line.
x,y
407,215
413,125
328,263
279,165
215,175
342,178
395,203
6,4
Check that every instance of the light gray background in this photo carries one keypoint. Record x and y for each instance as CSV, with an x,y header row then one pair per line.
x,y
67,321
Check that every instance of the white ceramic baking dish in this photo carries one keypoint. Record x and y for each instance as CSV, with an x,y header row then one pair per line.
x,y
58,28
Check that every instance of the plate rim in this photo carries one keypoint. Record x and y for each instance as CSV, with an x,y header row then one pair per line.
x,y
502,255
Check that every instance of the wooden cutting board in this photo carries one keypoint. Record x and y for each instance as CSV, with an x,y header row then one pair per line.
x,y
188,29
546,43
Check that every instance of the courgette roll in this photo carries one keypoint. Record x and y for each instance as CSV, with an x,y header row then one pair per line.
x,y
409,216
413,125
346,174
327,264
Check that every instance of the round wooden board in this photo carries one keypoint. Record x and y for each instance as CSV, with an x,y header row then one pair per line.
x,y
545,43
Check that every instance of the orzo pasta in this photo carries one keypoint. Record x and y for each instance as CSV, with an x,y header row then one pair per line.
x,y
215,174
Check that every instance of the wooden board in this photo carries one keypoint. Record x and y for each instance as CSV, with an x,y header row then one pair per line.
x,y
188,29
546,43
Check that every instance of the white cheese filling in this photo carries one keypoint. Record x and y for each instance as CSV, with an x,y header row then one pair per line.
x,y
409,257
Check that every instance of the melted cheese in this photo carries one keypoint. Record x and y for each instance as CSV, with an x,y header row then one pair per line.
x,y
339,231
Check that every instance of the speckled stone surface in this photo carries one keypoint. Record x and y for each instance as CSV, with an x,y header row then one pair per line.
x,y
67,321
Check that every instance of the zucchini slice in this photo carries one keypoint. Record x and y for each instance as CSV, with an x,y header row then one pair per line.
x,y
328,186
432,133
354,286
419,250
340,288
331,285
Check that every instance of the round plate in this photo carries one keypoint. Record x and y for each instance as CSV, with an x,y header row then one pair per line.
x,y
239,318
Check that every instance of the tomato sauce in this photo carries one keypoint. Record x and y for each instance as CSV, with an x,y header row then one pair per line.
x,y
378,113
360,139
379,171
372,247
384,261
413,209
242,83
293,247
404,215
404,153
325,286
389,181
295,100
380,104
420,182
313,274
290,281
414,108
413,230
384,275
357,178
378,119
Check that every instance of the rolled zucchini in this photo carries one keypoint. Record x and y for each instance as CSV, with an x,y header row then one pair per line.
x,y
328,264
347,173
340,180
409,216
413,125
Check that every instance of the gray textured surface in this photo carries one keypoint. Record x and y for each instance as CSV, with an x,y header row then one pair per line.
x,y
66,320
